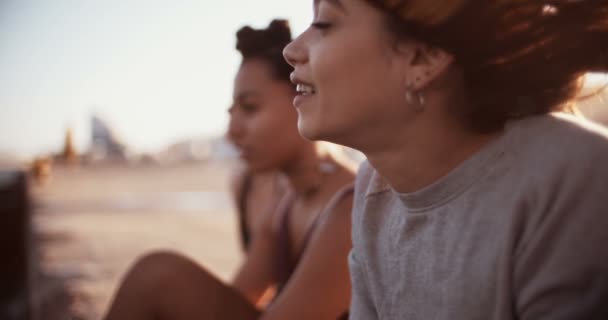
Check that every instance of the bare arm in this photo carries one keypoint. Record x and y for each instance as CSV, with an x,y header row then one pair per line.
x,y
256,275
320,286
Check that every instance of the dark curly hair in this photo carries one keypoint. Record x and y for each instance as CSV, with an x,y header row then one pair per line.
x,y
267,45
518,57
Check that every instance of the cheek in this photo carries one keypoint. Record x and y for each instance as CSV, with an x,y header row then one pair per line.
x,y
262,133
347,83
275,130
350,70
355,97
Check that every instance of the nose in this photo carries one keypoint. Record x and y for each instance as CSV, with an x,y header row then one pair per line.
x,y
294,52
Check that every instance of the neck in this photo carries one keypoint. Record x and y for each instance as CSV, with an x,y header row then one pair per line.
x,y
305,173
424,152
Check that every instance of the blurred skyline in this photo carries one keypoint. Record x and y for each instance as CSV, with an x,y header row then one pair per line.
x,y
156,71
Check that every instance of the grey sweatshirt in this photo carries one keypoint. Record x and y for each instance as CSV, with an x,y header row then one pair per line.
x,y
517,231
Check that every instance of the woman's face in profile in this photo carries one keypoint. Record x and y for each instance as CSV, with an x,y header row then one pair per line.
x,y
263,122
350,74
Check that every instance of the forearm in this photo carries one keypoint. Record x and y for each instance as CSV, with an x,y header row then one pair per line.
x,y
249,287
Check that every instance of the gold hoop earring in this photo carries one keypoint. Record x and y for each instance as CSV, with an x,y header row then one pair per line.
x,y
416,99
409,97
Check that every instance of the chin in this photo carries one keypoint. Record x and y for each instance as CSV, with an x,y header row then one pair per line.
x,y
315,134
311,126
311,130
308,132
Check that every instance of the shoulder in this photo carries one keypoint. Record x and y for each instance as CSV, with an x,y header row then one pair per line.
x,y
564,169
556,149
559,153
342,199
368,183
339,203
336,220
560,165
339,188
337,207
370,195
364,177
364,174
559,137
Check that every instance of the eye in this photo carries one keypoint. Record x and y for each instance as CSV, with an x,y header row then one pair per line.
x,y
321,25
249,107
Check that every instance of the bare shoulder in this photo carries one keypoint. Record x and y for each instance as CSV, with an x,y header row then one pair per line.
x,y
339,211
323,269
339,202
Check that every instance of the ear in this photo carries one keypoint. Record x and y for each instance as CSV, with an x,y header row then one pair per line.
x,y
426,65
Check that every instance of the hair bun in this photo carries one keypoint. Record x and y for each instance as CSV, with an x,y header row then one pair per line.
x,y
255,42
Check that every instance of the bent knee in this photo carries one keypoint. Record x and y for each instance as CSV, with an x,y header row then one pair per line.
x,y
160,267
166,275
160,259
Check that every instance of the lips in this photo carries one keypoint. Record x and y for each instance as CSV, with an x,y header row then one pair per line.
x,y
303,88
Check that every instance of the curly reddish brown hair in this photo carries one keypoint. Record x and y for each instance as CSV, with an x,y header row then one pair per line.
x,y
518,57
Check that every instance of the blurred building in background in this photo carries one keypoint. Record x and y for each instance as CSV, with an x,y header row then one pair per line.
x,y
105,144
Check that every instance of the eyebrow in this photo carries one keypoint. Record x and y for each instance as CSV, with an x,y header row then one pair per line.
x,y
336,3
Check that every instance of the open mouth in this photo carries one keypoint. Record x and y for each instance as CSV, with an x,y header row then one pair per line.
x,y
305,89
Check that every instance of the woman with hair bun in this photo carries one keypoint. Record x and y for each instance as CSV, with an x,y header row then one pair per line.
x,y
484,196
299,247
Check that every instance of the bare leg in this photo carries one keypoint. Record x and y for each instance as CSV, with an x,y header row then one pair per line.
x,y
165,285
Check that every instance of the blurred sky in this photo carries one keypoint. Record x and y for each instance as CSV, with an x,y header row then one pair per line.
x,y
157,71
